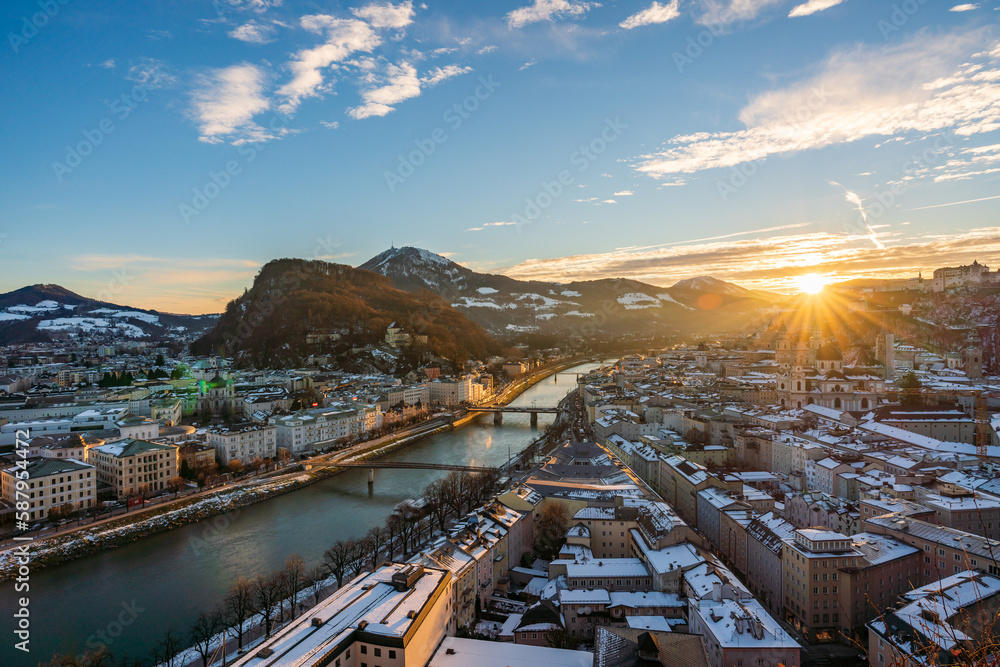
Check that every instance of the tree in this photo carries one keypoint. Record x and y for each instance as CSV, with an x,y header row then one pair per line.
x,y
167,650
203,632
186,472
239,606
336,559
284,455
295,575
317,579
434,496
267,590
235,466
910,385
376,543
159,360
175,484
553,521
357,555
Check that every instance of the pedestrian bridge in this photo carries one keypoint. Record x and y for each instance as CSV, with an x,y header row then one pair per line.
x,y
499,410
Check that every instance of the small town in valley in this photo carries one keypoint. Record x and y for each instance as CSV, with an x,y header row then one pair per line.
x,y
530,333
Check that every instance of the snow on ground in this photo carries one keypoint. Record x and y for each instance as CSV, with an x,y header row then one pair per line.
x,y
638,300
521,329
577,313
12,316
41,307
531,296
669,299
486,290
90,324
545,316
570,292
469,302
136,315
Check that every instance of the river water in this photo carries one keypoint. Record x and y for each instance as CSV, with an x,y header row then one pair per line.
x,y
164,581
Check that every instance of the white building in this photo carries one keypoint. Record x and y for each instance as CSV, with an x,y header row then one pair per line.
x,y
51,483
305,428
244,442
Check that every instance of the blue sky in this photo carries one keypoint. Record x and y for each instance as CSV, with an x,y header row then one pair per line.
x,y
158,154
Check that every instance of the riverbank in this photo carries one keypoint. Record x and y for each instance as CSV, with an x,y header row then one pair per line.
x,y
131,528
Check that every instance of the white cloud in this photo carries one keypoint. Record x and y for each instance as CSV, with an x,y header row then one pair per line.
x,y
343,37
489,48
547,10
439,74
252,32
968,7
624,193
655,13
387,15
526,65
108,64
402,83
725,12
331,124
924,86
150,73
812,7
226,101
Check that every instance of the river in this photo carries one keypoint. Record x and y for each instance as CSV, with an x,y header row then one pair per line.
x,y
164,581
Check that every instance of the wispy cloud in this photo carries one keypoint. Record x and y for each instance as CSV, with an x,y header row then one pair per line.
x,y
968,7
547,10
812,7
343,38
726,12
150,73
954,203
400,83
489,48
624,193
526,65
930,83
253,33
770,263
108,64
655,13
225,102
439,74
386,15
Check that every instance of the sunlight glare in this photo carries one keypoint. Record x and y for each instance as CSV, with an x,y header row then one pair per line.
x,y
811,283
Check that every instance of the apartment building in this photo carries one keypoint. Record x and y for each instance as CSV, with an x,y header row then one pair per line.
x,y
244,442
51,483
811,565
134,467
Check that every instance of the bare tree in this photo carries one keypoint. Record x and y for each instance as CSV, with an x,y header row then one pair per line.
x,y
393,534
295,575
436,504
267,591
204,630
336,559
167,650
553,521
99,658
317,577
376,540
357,555
240,606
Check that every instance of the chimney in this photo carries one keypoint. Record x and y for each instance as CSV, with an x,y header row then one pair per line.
x,y
717,591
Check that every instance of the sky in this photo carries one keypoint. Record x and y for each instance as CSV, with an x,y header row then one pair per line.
x,y
158,154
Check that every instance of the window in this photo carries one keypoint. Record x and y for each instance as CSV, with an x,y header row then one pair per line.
x,y
378,653
364,650
392,654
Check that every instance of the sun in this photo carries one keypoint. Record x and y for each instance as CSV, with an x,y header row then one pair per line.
x,y
811,283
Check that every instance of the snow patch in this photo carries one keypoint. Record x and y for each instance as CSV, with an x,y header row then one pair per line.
x,y
486,290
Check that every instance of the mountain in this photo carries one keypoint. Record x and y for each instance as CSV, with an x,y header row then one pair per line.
x,y
293,302
505,305
716,286
43,313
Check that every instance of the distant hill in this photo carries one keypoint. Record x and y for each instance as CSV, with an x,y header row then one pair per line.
x,y
290,299
506,306
42,313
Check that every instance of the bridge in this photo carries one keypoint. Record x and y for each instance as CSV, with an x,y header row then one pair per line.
x,y
499,410
405,465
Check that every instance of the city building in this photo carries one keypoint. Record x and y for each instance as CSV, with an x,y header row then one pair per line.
x,y
134,467
51,483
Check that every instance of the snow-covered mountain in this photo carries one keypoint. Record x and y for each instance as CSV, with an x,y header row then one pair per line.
x,y
614,305
39,313
715,286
